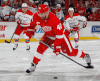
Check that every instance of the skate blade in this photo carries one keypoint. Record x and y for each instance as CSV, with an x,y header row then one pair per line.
x,y
89,67
28,50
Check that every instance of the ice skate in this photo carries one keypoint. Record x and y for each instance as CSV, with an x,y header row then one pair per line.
x,y
28,48
76,46
88,61
31,69
15,46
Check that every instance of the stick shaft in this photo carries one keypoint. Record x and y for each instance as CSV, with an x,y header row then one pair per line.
x,y
62,54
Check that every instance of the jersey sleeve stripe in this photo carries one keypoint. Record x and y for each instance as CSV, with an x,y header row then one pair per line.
x,y
59,36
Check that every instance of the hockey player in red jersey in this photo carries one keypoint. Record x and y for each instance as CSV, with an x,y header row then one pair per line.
x,y
23,18
53,33
72,23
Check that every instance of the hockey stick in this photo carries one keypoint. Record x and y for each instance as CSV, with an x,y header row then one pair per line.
x,y
91,67
11,37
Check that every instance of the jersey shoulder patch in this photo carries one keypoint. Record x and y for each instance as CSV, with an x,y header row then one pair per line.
x,y
20,10
67,17
29,12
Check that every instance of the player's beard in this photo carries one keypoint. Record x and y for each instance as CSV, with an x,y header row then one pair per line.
x,y
43,18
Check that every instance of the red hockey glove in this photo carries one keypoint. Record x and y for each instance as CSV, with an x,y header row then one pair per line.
x,y
18,21
84,24
31,32
76,29
57,50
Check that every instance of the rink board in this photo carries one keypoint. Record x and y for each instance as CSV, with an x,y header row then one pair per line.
x,y
89,33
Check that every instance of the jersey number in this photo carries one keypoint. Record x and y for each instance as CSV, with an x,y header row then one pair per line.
x,y
59,26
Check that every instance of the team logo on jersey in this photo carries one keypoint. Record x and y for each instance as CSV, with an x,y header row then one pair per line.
x,y
95,28
59,26
46,28
39,30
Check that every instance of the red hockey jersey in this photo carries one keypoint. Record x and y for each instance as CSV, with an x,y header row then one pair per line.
x,y
52,27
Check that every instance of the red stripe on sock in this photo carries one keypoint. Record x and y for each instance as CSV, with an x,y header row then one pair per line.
x,y
36,60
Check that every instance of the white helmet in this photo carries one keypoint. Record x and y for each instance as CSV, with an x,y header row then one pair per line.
x,y
59,5
71,9
13,10
24,5
45,3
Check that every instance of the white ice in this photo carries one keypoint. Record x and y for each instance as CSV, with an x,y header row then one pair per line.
x,y
13,64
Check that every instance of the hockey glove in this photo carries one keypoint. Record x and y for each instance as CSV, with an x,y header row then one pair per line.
x,y
18,21
57,50
84,24
71,30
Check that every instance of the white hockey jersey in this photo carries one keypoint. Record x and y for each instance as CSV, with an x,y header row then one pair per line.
x,y
25,18
5,11
74,21
59,14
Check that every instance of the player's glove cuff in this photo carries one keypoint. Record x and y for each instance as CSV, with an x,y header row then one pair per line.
x,y
57,50
84,24
18,21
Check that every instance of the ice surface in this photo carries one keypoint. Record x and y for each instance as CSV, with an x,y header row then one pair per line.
x,y
13,64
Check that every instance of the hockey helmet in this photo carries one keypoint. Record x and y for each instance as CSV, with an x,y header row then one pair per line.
x,y
59,5
43,8
24,5
46,3
71,9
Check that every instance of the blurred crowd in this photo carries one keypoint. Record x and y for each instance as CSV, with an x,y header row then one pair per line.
x,y
88,8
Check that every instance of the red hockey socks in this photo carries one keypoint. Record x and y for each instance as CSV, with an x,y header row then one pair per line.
x,y
83,54
36,60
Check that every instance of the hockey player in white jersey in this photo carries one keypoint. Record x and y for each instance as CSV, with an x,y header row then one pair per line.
x,y
72,24
59,12
23,18
5,10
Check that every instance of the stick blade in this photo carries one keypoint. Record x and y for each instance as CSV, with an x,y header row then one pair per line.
x,y
6,41
89,67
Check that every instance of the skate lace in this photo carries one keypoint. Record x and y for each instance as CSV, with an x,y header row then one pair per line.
x,y
87,58
32,68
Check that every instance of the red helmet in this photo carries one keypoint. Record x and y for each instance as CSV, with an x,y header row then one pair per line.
x,y
43,8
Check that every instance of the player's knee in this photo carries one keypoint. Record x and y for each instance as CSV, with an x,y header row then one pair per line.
x,y
25,36
16,36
